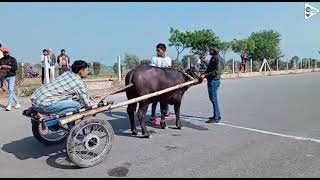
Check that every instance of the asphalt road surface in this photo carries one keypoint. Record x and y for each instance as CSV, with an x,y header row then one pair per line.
x,y
270,128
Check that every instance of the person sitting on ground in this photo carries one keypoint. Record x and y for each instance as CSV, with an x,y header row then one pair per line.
x,y
57,96
32,73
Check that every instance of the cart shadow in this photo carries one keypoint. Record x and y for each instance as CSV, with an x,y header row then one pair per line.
x,y
121,124
30,148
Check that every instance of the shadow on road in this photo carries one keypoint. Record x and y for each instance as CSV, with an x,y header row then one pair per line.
x,y
30,148
3,106
121,124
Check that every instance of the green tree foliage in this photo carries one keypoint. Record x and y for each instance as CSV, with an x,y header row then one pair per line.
x,y
224,47
200,40
177,64
239,46
294,61
267,45
193,60
145,61
131,61
179,39
96,68
115,68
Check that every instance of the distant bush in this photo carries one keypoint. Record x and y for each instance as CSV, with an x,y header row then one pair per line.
x,y
96,68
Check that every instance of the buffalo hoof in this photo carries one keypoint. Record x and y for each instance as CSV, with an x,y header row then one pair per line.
x,y
179,127
147,136
134,133
163,125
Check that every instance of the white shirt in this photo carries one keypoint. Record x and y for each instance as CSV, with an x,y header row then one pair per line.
x,y
161,62
45,60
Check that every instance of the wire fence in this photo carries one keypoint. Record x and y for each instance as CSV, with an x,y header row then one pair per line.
x,y
233,66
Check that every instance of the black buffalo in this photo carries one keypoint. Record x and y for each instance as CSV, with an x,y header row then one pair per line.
x,y
148,79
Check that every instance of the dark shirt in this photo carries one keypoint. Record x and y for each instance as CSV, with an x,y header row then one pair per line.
x,y
215,68
9,61
53,60
202,67
244,58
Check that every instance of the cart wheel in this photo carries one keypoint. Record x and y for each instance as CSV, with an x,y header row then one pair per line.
x,y
48,136
89,142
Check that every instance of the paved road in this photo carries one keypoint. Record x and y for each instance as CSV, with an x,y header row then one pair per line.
x,y
270,128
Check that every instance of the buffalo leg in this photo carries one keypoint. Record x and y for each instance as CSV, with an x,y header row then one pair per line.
x,y
163,110
177,112
143,107
130,110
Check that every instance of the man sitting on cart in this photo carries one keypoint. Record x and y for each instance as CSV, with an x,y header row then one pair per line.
x,y
56,97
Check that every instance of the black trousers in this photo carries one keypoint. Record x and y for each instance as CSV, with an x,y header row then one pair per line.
x,y
154,107
63,69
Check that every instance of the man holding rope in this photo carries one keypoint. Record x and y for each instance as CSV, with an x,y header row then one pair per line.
x,y
57,96
213,74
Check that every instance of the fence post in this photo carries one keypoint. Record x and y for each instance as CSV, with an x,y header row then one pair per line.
x,y
309,64
287,66
232,65
277,64
189,63
251,65
22,70
119,68
316,64
301,64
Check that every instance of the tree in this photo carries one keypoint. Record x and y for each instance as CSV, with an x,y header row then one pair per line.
x,y
96,68
178,39
200,40
177,64
145,61
131,61
224,47
305,62
294,61
115,68
239,46
267,45
193,60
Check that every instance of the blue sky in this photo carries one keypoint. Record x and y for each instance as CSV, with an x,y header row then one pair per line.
x,y
103,31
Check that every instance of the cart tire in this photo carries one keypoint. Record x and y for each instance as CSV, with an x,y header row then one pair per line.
x,y
85,138
57,139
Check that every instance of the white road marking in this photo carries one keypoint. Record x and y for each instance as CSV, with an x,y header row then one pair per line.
x,y
272,133
199,119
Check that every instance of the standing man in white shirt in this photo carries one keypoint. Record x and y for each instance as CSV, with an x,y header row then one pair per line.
x,y
52,64
45,61
161,60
